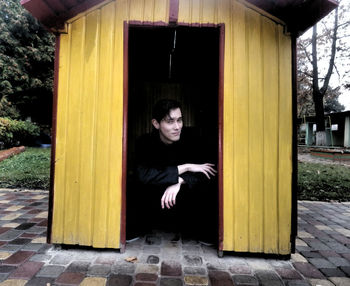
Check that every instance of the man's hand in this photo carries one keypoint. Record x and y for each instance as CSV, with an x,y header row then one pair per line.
x,y
207,169
169,196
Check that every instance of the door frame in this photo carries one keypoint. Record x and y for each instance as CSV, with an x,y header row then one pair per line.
x,y
221,27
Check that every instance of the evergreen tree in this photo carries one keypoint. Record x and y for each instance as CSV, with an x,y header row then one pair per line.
x,y
26,62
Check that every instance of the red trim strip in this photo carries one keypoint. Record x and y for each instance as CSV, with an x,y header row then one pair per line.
x,y
125,135
173,11
53,140
221,135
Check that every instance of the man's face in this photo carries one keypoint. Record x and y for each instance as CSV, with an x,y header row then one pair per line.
x,y
170,126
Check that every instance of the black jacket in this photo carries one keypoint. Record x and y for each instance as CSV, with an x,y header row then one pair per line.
x,y
157,162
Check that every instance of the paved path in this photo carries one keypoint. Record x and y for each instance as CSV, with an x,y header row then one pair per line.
x,y
323,256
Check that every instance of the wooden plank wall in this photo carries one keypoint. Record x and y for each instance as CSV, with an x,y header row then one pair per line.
x,y
257,124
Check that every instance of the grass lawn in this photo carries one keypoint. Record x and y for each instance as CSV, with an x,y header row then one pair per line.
x,y
28,170
319,182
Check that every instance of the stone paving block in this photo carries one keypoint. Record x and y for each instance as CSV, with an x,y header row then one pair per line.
x,y
195,271
27,270
339,261
51,271
78,266
33,247
196,280
146,268
40,258
40,281
320,282
287,273
12,248
220,278
61,259
10,234
40,239
191,249
7,268
14,282
95,281
321,263
119,280
338,247
340,281
171,282
105,260
4,229
36,229
268,278
296,257
246,280
346,255
240,269
346,270
308,270
18,258
152,259
70,278
311,254
146,277
4,254
259,264
298,283
217,265
25,226
332,272
122,267
99,270
151,249
171,268
3,276
20,241
329,253
192,260
28,235
11,224
144,284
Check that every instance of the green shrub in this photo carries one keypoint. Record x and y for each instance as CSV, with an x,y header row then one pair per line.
x,y
17,132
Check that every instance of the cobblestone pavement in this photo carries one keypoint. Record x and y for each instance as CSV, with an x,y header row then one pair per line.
x,y
323,256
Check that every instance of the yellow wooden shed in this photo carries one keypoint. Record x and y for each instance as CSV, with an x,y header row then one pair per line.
x,y
231,63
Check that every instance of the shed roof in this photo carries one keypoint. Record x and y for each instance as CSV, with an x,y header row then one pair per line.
x,y
299,15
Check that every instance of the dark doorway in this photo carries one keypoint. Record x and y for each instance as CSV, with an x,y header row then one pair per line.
x,y
180,63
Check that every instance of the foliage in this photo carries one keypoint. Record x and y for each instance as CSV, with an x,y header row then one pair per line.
x,y
7,109
28,170
320,182
26,61
323,66
17,132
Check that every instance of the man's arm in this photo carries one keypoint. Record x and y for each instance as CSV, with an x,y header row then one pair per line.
x,y
165,176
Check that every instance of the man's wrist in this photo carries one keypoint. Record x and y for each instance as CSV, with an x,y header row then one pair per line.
x,y
181,181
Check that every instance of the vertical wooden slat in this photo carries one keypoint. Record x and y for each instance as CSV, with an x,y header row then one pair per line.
x,y
285,143
224,13
240,130
195,11
184,11
255,132
148,11
61,138
270,58
102,184
73,133
136,10
88,119
208,11
161,11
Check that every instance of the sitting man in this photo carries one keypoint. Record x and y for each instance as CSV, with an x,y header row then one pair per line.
x,y
177,189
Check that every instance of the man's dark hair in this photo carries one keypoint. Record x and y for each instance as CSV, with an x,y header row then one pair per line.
x,y
162,108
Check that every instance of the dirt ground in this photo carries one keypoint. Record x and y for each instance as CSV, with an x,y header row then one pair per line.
x,y
305,156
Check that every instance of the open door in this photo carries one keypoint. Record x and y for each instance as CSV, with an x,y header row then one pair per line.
x,y
181,63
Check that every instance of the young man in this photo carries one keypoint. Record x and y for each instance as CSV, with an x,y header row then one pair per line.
x,y
174,179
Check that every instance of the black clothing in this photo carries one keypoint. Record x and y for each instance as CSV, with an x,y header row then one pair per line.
x,y
156,169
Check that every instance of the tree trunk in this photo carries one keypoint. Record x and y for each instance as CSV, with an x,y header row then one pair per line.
x,y
319,109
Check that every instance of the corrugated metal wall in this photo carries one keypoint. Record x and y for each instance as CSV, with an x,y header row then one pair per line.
x,y
257,124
